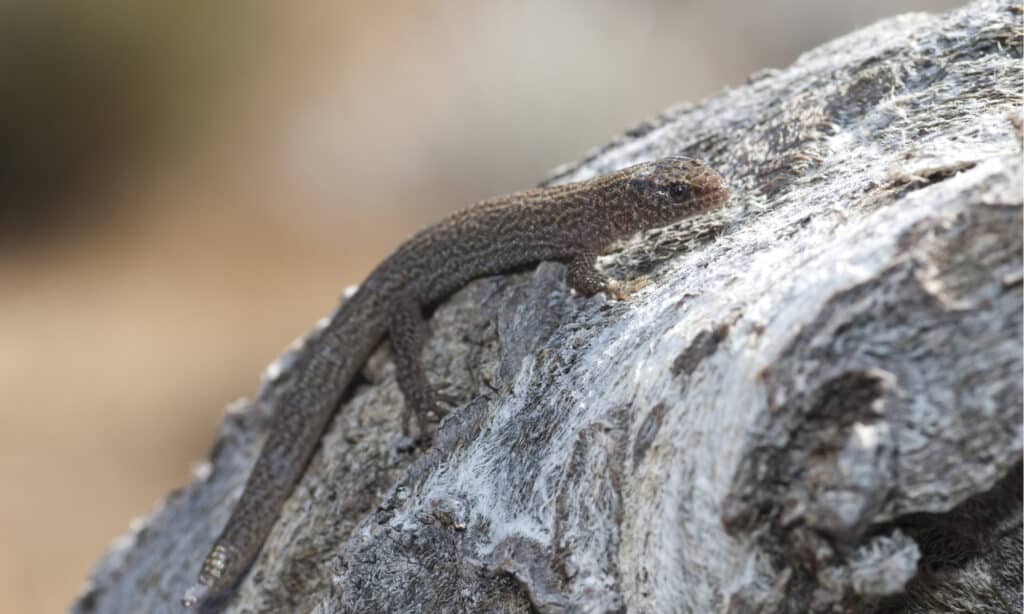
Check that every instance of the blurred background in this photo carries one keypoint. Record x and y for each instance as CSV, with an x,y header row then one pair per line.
x,y
185,188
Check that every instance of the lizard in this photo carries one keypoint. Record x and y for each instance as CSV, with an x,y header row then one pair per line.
x,y
572,223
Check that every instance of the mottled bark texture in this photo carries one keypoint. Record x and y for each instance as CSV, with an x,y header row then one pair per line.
x,y
815,405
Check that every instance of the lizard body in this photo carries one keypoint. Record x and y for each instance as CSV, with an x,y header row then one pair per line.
x,y
572,223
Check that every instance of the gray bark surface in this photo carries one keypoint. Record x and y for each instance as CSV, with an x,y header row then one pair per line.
x,y
815,406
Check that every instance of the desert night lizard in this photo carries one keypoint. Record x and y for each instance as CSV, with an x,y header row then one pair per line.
x,y
572,223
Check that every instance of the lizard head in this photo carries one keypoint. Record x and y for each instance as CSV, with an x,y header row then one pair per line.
x,y
671,189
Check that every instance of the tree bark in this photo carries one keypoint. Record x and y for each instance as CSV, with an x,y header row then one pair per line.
x,y
816,404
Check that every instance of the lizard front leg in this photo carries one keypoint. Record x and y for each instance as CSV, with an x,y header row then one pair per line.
x,y
587,280
408,331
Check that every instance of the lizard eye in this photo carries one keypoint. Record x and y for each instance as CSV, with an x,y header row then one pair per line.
x,y
679,191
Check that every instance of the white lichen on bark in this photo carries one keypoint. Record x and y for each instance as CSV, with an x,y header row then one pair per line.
x,y
815,404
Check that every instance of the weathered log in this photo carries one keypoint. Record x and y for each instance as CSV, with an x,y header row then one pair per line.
x,y
816,405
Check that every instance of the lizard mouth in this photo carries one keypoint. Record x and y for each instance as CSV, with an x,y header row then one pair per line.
x,y
712,189
721,194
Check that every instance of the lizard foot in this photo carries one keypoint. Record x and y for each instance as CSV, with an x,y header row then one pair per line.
x,y
621,289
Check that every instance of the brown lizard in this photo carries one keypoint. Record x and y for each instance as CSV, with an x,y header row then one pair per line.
x,y
572,223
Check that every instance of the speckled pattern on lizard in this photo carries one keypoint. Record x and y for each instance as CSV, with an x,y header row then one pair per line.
x,y
572,223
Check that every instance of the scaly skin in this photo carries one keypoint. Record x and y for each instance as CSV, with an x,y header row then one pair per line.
x,y
571,223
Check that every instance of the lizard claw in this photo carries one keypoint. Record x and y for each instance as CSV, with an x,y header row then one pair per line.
x,y
195,595
620,290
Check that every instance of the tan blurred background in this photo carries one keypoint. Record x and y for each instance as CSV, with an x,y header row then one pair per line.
x,y
185,188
